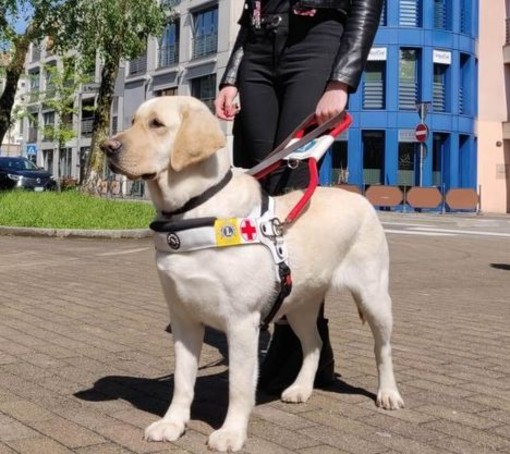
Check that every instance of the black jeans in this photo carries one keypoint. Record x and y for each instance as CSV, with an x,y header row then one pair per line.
x,y
282,76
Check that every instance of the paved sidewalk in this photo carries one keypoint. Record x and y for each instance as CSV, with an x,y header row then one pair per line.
x,y
85,363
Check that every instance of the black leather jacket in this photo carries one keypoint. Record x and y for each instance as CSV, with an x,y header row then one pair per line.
x,y
362,20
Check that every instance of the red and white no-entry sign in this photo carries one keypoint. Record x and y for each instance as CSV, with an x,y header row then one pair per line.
x,y
421,132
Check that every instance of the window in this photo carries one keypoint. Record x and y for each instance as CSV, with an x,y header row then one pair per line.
x,y
32,130
373,157
442,18
465,16
204,88
138,65
65,162
406,154
384,14
439,143
49,123
408,79
439,101
167,92
36,52
409,13
87,118
50,82
340,162
463,86
373,86
34,85
169,45
205,32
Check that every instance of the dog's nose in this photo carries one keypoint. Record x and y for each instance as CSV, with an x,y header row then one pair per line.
x,y
110,146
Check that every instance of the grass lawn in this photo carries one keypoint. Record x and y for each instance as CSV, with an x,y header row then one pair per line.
x,y
71,210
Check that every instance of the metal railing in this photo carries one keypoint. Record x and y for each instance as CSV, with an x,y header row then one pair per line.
x,y
205,45
440,15
170,3
168,55
87,126
138,65
507,41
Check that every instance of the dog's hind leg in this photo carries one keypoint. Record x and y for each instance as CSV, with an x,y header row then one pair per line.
x,y
242,337
188,338
374,305
303,322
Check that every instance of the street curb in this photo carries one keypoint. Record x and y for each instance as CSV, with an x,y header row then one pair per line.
x,y
75,233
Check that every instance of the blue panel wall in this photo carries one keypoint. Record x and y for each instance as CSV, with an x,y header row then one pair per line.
x,y
458,166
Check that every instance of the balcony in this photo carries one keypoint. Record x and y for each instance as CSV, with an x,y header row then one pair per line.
x,y
170,3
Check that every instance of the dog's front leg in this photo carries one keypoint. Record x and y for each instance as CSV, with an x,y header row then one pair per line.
x,y
242,339
188,337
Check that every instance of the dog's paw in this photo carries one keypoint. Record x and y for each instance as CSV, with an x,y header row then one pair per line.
x,y
164,430
296,394
226,440
389,399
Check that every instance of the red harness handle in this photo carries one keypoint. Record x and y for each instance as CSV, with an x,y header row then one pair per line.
x,y
336,130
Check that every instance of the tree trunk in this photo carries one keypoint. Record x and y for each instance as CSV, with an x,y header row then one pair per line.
x,y
13,73
101,127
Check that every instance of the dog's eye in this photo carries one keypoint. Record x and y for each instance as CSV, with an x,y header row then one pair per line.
x,y
155,123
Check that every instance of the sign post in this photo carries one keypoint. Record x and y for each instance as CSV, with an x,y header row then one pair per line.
x,y
422,132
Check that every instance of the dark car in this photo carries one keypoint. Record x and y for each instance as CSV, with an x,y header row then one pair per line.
x,y
23,173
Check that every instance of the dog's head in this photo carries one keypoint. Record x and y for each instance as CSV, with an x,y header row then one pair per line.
x,y
167,132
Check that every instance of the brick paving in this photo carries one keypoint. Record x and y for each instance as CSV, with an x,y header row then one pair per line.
x,y
85,363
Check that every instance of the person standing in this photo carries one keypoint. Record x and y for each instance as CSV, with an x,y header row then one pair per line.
x,y
290,59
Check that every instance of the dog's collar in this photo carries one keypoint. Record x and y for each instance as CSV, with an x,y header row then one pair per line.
x,y
202,198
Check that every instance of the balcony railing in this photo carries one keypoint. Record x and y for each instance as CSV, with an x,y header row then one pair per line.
x,y
373,95
507,41
461,101
168,55
205,45
138,65
87,126
170,3
407,95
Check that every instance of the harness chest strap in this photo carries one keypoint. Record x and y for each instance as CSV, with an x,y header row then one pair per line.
x,y
180,236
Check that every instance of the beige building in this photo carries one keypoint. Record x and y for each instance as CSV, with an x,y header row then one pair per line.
x,y
494,105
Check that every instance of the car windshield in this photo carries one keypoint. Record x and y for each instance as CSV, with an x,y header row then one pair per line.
x,y
17,164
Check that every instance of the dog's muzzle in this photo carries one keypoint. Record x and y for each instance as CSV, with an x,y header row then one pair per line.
x,y
111,147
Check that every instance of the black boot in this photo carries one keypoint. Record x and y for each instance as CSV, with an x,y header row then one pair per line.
x,y
284,358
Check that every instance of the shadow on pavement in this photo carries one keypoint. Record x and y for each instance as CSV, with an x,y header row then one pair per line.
x,y
153,395
501,266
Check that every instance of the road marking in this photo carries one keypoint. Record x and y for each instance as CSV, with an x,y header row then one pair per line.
x,y
128,251
462,232
407,232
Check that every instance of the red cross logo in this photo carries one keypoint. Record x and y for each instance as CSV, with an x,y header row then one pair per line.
x,y
248,230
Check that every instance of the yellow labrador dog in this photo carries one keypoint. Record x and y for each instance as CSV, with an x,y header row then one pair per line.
x,y
176,145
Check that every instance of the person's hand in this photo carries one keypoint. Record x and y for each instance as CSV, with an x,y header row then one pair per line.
x,y
224,104
332,102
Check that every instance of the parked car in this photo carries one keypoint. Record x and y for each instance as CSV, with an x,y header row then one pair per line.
x,y
22,173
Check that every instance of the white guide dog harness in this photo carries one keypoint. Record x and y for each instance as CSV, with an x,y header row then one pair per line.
x,y
260,227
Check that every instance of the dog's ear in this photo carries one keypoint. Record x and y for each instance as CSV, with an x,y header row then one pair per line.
x,y
199,136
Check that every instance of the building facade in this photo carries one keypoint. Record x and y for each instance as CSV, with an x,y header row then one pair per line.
x,y
426,52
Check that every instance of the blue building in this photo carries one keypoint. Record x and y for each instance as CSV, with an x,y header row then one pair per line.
x,y
424,51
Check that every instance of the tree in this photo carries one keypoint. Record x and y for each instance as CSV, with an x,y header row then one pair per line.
x,y
114,30
21,22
